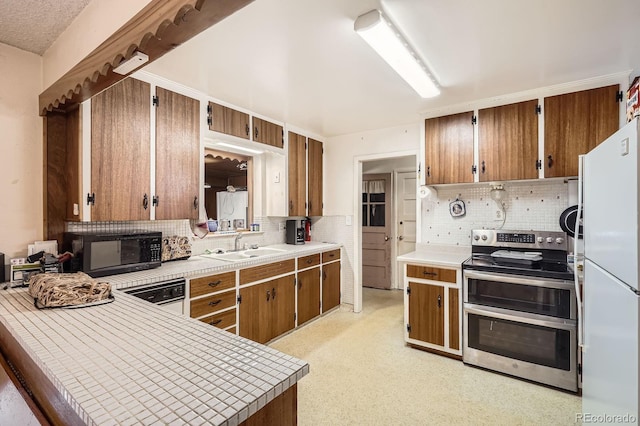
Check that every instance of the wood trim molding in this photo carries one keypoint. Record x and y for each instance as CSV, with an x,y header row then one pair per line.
x,y
157,29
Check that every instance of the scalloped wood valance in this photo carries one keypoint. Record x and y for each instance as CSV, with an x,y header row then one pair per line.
x,y
157,29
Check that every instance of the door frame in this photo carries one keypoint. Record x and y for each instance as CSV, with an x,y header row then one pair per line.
x,y
398,279
357,222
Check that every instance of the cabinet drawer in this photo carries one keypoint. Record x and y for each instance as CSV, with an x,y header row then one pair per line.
x,y
328,256
308,261
221,320
430,273
212,303
211,283
265,271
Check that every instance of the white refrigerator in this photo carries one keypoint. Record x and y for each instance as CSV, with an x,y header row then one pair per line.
x,y
611,300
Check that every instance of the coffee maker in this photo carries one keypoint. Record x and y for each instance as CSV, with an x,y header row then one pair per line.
x,y
295,231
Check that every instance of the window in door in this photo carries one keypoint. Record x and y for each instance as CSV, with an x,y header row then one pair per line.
x,y
373,203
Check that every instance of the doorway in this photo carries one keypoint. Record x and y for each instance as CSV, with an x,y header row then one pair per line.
x,y
387,222
376,230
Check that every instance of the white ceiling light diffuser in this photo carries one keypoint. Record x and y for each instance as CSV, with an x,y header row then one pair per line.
x,y
386,40
137,60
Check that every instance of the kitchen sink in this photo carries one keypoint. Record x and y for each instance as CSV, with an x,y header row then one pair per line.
x,y
262,252
238,256
228,257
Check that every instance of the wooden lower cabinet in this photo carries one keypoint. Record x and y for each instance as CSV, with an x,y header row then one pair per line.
x,y
330,285
426,313
267,309
308,294
433,310
281,411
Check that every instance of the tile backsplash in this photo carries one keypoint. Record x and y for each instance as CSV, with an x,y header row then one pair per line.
x,y
269,232
529,206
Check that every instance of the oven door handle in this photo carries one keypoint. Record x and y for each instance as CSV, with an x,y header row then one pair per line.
x,y
532,281
521,317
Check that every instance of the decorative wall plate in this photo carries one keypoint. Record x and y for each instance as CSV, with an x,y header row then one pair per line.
x,y
457,208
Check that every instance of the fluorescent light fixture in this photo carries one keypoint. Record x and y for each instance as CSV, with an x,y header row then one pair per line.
x,y
239,148
137,60
386,40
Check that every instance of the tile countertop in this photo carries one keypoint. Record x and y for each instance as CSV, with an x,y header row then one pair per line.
x,y
438,255
199,265
130,362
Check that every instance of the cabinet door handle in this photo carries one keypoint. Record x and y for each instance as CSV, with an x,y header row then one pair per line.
x,y
214,283
155,200
431,274
310,207
299,283
324,275
212,303
216,322
550,162
246,129
268,295
428,171
195,202
439,301
309,261
255,133
290,205
273,293
483,167
145,201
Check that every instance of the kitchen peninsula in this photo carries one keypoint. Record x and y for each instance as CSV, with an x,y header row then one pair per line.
x,y
130,362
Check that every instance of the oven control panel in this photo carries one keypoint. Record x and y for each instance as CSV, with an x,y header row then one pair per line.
x,y
519,239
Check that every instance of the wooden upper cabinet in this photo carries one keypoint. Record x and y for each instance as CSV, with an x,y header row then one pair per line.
x,y
449,149
297,173
228,121
508,142
574,124
177,155
268,133
314,153
120,152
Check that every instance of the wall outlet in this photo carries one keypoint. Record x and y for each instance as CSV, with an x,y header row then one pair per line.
x,y
499,215
281,226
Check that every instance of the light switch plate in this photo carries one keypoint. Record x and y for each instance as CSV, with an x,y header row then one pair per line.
x,y
348,220
624,146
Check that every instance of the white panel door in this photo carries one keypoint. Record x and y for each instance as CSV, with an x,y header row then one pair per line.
x,y
611,204
406,188
610,356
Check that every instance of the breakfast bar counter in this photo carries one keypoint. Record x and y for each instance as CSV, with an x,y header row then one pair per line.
x,y
130,362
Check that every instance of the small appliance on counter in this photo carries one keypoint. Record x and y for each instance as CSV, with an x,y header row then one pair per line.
x,y
295,231
102,253
175,247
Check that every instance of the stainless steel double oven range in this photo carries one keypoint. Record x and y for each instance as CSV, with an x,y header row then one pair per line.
x,y
520,306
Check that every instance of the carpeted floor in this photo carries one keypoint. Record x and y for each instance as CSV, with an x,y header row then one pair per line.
x,y
362,373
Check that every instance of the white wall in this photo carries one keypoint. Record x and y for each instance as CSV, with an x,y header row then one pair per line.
x,y
339,185
92,26
339,154
21,154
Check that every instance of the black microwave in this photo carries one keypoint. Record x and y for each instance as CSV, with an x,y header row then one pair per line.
x,y
100,253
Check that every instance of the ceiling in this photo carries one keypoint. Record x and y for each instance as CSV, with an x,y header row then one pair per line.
x,y
300,61
33,25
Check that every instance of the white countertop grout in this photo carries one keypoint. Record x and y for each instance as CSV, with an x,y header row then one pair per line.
x,y
131,362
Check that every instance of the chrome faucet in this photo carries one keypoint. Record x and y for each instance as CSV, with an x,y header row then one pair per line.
x,y
237,242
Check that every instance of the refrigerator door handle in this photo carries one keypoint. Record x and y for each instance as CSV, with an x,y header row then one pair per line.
x,y
579,257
